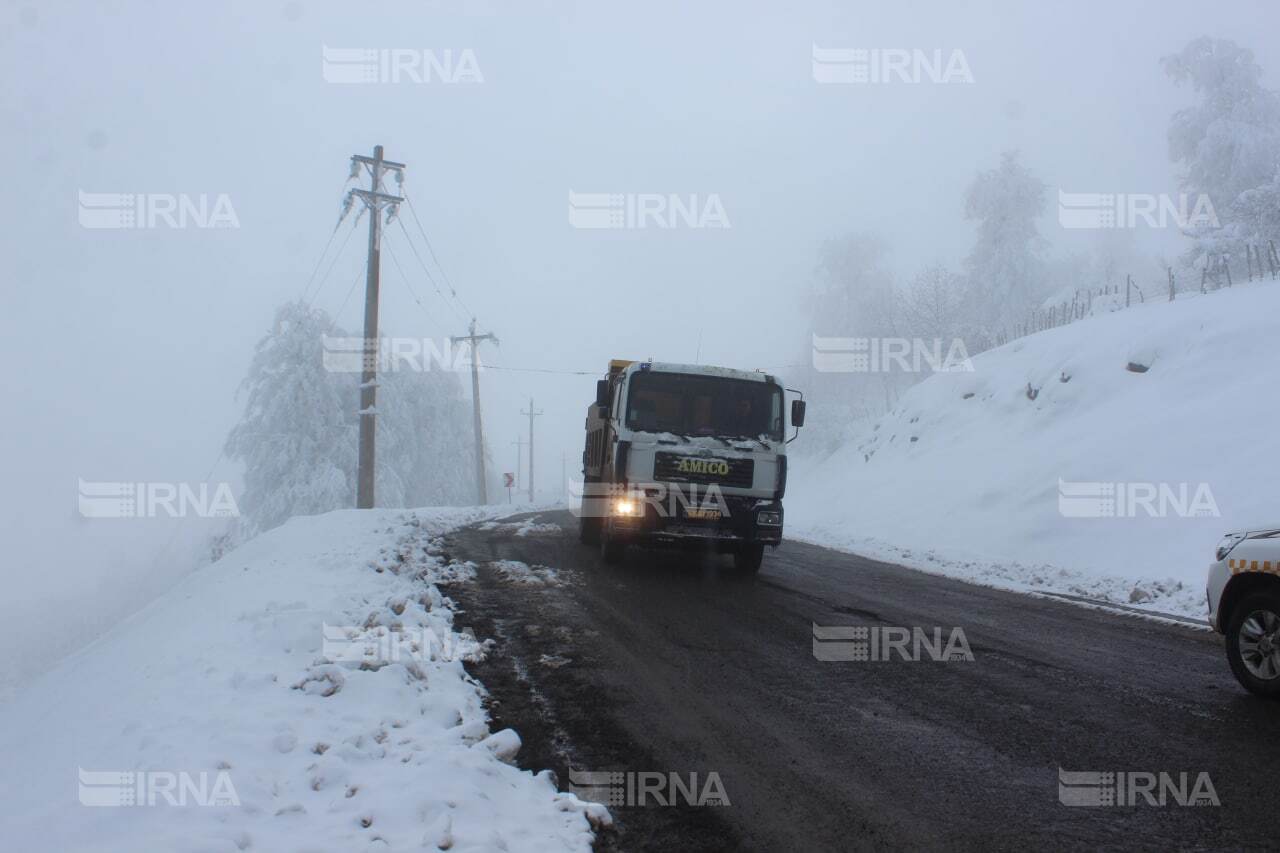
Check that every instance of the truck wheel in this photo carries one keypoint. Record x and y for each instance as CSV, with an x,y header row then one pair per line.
x,y
612,549
1253,643
588,530
748,558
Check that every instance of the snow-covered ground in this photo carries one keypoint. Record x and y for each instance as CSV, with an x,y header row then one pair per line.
x,y
246,684
971,477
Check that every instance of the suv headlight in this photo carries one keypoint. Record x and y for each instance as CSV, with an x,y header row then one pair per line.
x,y
1230,541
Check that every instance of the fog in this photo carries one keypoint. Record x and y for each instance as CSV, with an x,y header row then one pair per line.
x,y
125,348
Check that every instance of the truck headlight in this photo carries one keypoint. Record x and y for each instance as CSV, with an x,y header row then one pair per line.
x,y
769,518
1229,542
626,507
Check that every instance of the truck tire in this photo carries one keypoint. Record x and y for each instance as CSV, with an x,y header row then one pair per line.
x,y
588,529
612,549
748,558
1253,643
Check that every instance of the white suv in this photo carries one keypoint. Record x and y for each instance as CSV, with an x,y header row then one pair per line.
x,y
1244,604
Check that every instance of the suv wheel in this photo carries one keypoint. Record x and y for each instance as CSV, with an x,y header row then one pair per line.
x,y
1253,643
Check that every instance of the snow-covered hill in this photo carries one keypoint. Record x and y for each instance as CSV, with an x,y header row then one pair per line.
x,y
970,476
229,690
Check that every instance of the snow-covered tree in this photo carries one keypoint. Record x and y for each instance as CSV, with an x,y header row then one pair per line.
x,y
936,305
1227,144
854,295
299,434
853,298
425,440
1006,267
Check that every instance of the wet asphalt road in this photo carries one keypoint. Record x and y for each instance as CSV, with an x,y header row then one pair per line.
x,y
672,662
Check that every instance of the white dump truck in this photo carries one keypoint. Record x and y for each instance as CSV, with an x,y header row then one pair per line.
x,y
686,455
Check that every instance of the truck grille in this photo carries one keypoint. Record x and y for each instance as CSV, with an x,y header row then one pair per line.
x,y
676,468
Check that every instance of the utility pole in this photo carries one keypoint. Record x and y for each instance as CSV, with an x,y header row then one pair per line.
x,y
519,443
482,497
374,200
532,413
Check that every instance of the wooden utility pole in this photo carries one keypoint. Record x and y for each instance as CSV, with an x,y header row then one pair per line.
x,y
474,340
374,200
532,413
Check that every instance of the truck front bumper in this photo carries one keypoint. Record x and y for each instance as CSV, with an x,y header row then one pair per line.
x,y
735,522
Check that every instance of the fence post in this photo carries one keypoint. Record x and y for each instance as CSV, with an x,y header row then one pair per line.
x,y
1128,283
1170,284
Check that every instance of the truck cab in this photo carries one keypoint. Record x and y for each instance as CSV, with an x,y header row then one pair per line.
x,y
686,455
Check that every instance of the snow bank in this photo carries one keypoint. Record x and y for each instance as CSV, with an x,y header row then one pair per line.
x,y
963,477
245,673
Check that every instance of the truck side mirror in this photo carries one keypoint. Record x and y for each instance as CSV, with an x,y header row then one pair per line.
x,y
602,393
797,413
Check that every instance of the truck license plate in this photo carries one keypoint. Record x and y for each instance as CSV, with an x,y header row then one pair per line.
x,y
702,514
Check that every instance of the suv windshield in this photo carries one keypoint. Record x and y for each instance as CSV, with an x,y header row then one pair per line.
x,y
689,404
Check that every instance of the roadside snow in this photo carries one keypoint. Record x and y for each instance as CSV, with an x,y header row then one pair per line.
x,y
525,527
250,672
522,573
963,476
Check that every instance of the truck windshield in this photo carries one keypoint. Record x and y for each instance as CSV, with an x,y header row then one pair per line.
x,y
695,405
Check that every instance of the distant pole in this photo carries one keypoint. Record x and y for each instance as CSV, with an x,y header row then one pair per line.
x,y
474,340
375,200
1128,283
1171,288
532,413
519,443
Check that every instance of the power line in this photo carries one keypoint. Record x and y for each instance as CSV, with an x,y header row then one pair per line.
x,y
432,250
413,293
336,258
540,370
350,290
320,260
405,276
425,269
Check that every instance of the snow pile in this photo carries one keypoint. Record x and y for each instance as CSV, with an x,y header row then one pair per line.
x,y
986,474
525,527
522,573
306,692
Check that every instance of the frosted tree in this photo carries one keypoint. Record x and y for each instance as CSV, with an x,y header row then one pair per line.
x,y
854,295
297,437
1006,265
854,298
1227,144
425,440
936,305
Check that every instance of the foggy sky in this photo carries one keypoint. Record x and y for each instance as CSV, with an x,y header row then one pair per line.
x,y
125,348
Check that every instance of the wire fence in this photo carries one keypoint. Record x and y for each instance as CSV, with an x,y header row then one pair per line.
x,y
1260,263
